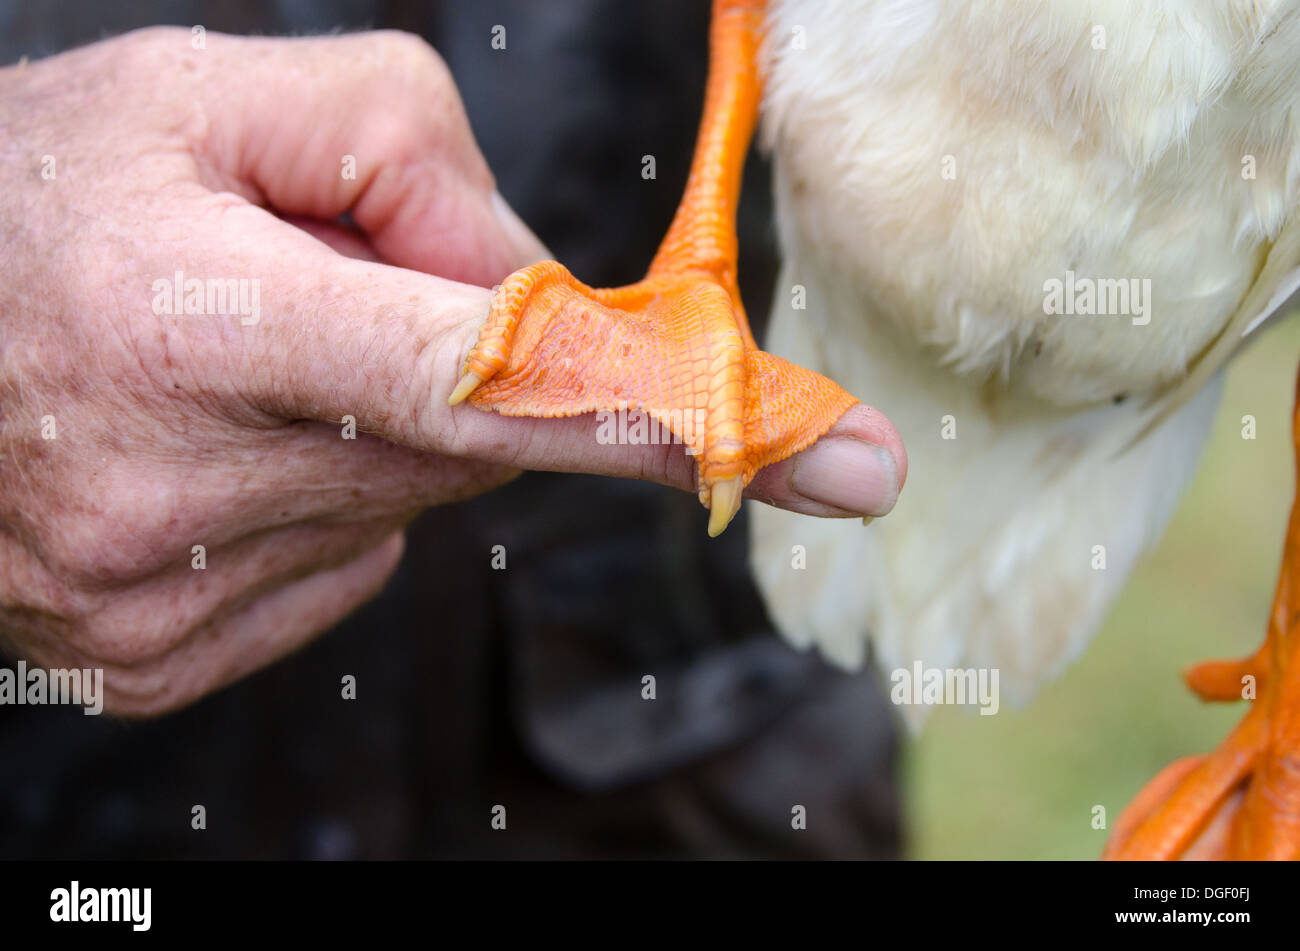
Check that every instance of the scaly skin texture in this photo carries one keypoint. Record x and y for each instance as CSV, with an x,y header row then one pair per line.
x,y
1243,800
676,345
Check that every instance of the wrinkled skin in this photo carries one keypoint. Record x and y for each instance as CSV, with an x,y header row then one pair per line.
x,y
171,432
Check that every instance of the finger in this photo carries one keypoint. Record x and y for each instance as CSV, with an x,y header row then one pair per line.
x,y
259,482
271,627
369,124
137,626
857,469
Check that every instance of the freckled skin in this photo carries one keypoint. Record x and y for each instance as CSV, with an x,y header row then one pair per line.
x,y
173,431
178,430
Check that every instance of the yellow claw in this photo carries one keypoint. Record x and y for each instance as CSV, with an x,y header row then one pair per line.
x,y
724,503
467,385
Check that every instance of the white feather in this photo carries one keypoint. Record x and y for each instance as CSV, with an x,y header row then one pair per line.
x,y
1114,139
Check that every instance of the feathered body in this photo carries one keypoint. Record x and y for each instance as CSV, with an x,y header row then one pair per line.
x,y
937,165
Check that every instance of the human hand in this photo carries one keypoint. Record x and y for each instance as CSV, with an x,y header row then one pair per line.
x,y
139,443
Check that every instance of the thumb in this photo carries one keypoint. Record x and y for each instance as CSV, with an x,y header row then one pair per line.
x,y
339,336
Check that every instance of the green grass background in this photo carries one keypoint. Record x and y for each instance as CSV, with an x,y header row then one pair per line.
x,y
1022,784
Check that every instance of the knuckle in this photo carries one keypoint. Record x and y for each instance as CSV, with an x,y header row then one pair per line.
x,y
132,693
144,52
125,637
123,530
72,551
97,550
155,35
413,56
427,106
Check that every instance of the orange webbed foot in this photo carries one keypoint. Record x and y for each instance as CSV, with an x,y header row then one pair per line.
x,y
674,346
1240,802
1192,806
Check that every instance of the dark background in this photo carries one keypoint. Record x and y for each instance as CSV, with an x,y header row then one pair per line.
x,y
519,687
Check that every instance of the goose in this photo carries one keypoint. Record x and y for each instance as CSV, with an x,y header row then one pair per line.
x,y
1030,234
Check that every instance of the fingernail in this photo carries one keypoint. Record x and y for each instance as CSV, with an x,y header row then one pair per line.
x,y
848,474
528,248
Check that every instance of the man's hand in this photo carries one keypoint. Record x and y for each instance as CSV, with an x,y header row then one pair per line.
x,y
189,336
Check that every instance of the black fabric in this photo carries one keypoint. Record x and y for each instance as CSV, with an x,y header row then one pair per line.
x,y
520,687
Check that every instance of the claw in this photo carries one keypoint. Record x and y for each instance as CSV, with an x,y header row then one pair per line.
x,y
467,385
724,503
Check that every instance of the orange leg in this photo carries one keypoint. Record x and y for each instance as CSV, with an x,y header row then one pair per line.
x,y
1243,800
676,344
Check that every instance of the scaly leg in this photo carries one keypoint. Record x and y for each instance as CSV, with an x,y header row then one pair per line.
x,y
676,345
1243,800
